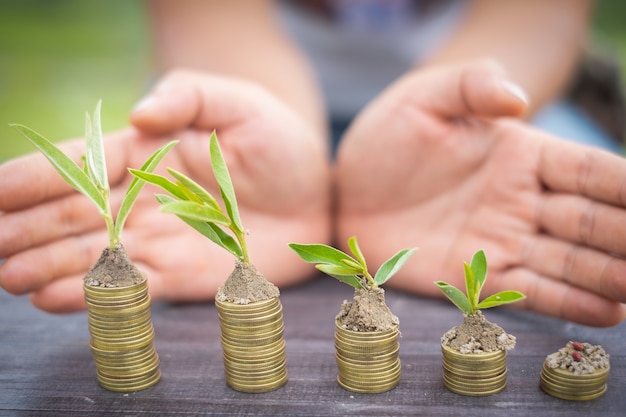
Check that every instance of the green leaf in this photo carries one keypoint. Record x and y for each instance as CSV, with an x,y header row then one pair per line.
x,y
220,170
137,184
504,297
211,231
195,211
479,270
159,181
470,287
67,169
356,251
358,268
195,189
96,160
318,253
342,274
392,266
456,296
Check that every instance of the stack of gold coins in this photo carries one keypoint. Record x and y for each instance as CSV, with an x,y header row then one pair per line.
x,y
474,374
367,362
122,337
565,384
253,345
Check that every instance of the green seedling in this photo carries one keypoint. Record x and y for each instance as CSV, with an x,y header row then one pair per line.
x,y
91,180
199,209
351,270
475,277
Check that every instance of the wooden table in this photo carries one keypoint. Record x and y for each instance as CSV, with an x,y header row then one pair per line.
x,y
46,366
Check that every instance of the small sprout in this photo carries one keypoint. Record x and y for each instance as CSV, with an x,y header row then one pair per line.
x,y
475,277
576,355
578,346
351,270
199,209
91,180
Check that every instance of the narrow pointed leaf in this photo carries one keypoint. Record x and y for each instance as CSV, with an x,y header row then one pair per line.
x,y
195,211
160,181
95,151
195,188
356,251
479,270
392,266
504,297
342,274
67,168
456,296
470,288
137,184
210,231
322,254
220,170
358,268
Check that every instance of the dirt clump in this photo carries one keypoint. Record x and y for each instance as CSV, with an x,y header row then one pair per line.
x,y
246,285
367,312
477,335
114,269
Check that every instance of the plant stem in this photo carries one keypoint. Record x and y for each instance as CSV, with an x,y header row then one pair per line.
x,y
370,279
114,238
241,238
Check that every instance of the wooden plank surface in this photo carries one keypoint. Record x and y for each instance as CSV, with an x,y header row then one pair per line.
x,y
46,366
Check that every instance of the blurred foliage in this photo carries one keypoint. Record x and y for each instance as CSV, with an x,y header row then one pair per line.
x,y
59,57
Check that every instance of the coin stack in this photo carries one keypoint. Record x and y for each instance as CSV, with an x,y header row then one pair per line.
x,y
367,361
474,374
253,345
564,384
122,337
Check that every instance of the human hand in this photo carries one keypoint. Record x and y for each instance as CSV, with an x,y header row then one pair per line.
x,y
435,162
51,235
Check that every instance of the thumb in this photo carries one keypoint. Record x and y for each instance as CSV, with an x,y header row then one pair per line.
x,y
475,89
190,99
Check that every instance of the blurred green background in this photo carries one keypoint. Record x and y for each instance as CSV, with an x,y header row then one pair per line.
x,y
59,57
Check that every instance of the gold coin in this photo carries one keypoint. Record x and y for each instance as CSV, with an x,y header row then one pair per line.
x,y
360,389
257,388
473,374
130,386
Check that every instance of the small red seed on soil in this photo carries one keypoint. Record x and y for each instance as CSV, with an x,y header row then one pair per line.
x,y
577,356
578,346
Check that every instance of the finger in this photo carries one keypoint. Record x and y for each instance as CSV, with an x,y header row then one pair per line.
x,y
476,89
577,219
186,98
579,266
47,222
559,299
572,168
65,295
36,268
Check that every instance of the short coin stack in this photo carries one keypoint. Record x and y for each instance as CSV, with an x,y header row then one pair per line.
x,y
474,374
368,362
122,337
253,344
564,384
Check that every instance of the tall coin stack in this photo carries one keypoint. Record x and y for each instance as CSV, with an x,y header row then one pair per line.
x,y
474,374
122,337
367,362
253,345
564,384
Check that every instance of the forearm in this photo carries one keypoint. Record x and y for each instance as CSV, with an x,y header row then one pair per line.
x,y
538,42
237,38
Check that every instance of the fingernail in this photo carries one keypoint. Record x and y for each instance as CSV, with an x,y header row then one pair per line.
x,y
144,103
515,90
